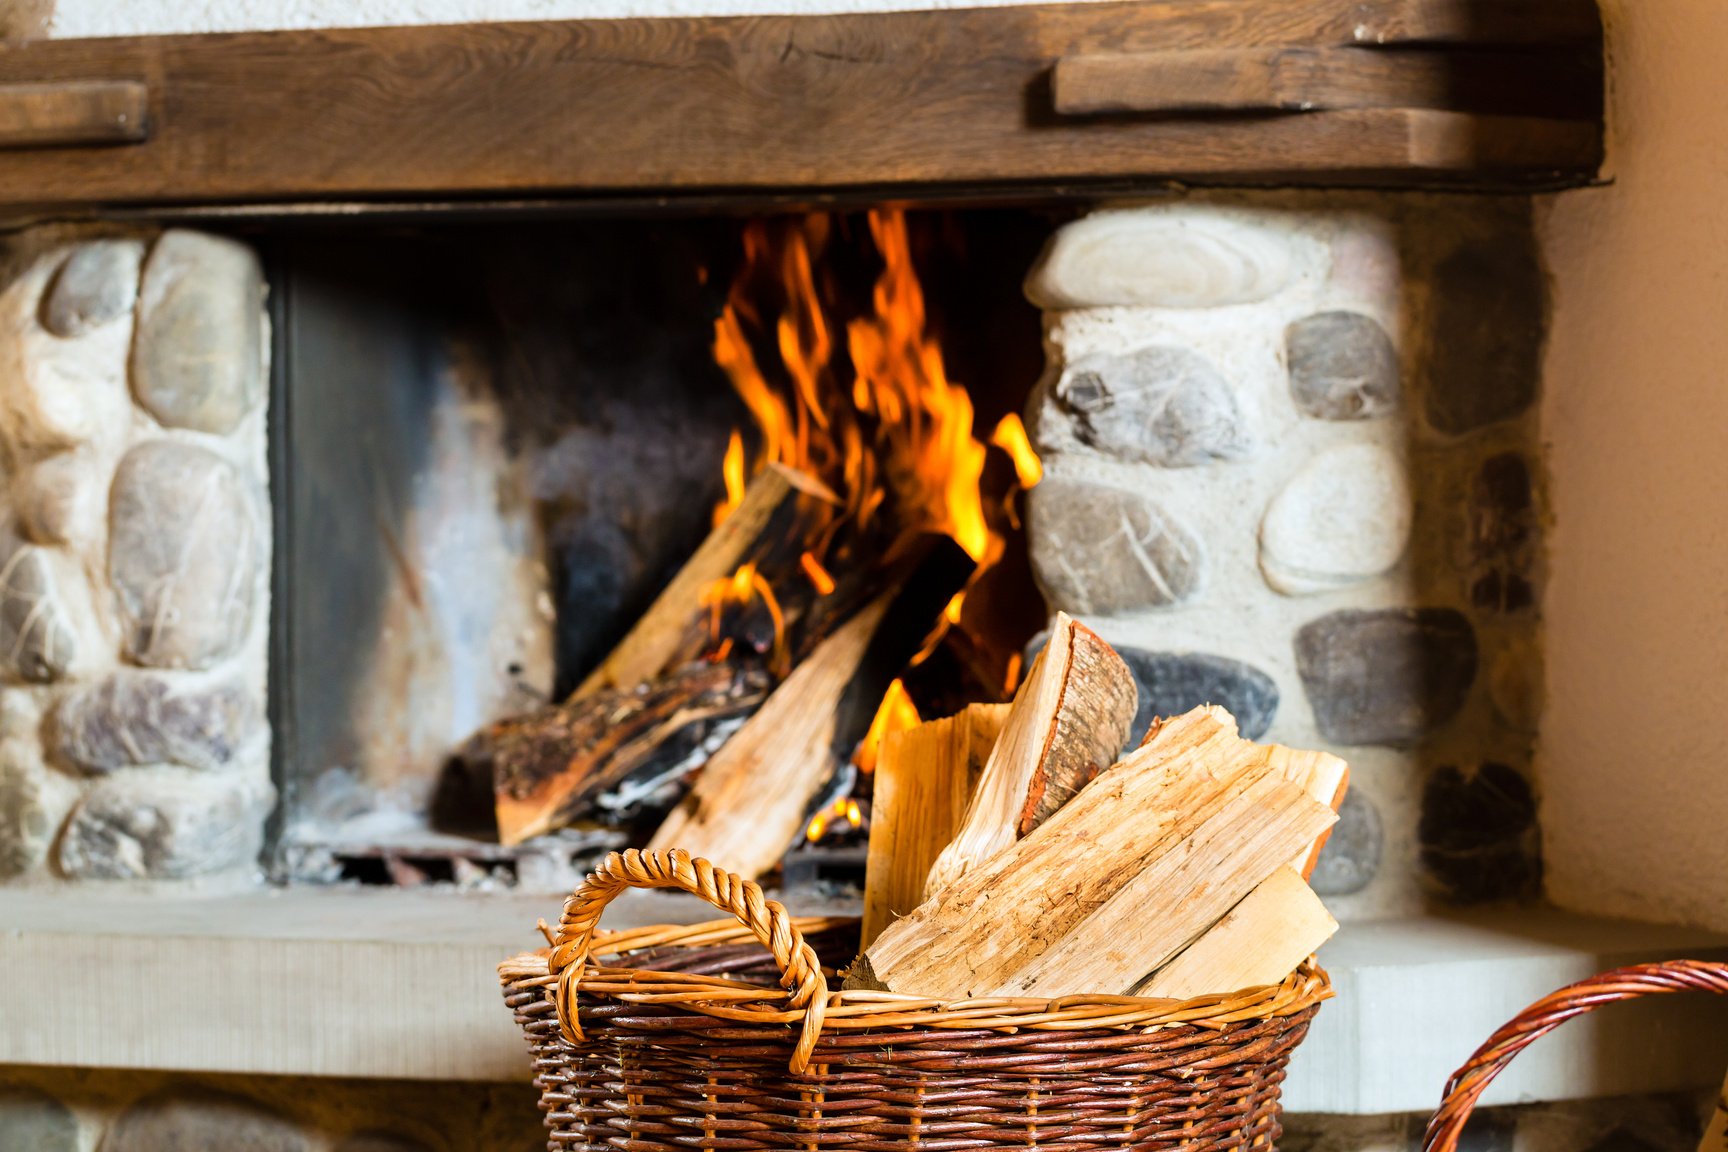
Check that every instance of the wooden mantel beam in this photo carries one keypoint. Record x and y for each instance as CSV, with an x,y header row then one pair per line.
x,y
893,101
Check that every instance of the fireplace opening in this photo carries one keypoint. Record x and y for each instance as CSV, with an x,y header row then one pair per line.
x,y
497,445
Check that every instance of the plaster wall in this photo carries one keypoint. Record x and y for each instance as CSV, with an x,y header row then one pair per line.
x,y
1636,404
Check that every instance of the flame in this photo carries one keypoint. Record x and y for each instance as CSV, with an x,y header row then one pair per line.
x,y
816,574
896,713
740,590
899,434
1010,436
732,471
846,809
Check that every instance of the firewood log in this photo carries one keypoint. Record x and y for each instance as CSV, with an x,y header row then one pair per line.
x,y
1070,719
925,777
1259,941
753,798
662,636
1146,858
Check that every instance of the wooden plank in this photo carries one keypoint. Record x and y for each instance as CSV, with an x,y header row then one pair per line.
x,y
892,100
925,777
72,113
1312,79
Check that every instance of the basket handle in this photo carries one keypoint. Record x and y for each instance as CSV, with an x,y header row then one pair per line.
x,y
800,970
1469,1082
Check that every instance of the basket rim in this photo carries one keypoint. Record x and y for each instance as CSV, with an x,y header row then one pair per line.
x,y
856,1010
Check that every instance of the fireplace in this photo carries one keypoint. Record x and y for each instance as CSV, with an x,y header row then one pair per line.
x,y
425,320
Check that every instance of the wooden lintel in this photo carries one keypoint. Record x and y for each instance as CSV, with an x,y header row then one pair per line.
x,y
751,105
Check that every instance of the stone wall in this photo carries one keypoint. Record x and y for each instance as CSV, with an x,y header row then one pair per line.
x,y
134,557
1291,468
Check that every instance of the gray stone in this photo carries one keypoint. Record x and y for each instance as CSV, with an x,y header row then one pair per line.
x,y
183,553
1172,683
1344,517
1489,314
36,637
98,283
1177,256
28,814
163,823
135,718
198,357
1385,677
1098,549
1352,854
1478,834
32,1121
1342,366
1160,405
203,1122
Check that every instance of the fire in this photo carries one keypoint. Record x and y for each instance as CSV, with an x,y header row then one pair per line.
x,y
841,810
897,713
895,439
1010,436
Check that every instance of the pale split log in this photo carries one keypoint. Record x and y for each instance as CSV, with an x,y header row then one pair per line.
x,y
1131,870
658,636
925,777
1070,720
1259,941
1323,776
753,797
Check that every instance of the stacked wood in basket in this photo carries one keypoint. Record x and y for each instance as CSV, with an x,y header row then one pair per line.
x,y
1014,853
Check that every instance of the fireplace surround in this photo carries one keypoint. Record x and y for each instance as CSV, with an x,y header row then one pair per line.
x,y
1344,324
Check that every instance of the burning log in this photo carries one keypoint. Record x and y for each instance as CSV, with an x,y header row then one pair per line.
x,y
754,797
925,777
553,765
668,634
1069,720
1145,860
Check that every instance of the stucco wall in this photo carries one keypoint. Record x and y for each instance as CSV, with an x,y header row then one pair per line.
x,y
1634,751
146,17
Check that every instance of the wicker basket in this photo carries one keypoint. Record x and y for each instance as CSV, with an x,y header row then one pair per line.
x,y
704,1042
1469,1082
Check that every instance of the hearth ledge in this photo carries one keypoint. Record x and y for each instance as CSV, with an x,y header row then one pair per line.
x,y
395,984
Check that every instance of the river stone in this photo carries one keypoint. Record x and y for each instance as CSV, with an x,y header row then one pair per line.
x,y
1352,853
1172,683
163,824
183,554
135,718
1478,834
202,1121
61,498
96,284
35,630
1385,677
32,1121
26,822
1489,309
1100,549
1343,518
198,356
1187,257
1342,366
1160,405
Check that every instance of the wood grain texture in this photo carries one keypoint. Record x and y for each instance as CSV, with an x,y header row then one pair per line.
x,y
72,113
896,100
925,777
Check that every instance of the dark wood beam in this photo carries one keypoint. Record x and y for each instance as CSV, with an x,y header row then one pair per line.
x,y
893,101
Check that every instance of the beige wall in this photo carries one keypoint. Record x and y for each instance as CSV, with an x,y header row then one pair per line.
x,y
1634,747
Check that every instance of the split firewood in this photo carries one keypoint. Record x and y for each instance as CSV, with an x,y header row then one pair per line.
x,y
925,777
1147,857
1070,719
662,636
553,765
1323,776
754,796
1259,941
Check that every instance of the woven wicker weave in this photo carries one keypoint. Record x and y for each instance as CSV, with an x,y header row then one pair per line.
x,y
1469,1082
704,1042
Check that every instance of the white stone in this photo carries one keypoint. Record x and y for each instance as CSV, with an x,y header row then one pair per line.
x,y
56,393
62,498
1175,256
1343,518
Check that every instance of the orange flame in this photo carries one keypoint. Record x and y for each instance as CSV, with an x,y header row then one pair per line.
x,y
1010,436
896,713
900,432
